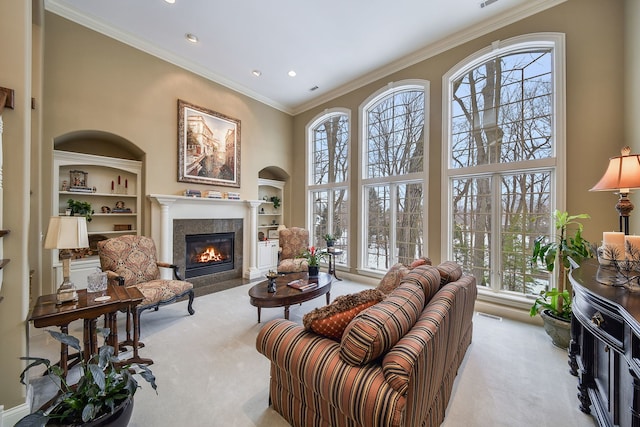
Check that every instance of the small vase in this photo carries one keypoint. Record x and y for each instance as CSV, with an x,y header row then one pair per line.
x,y
271,287
313,270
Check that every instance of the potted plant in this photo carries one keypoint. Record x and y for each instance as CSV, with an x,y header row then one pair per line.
x,y
276,201
554,305
330,239
105,388
80,208
313,258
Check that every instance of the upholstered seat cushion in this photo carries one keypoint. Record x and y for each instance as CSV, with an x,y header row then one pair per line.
x,y
161,290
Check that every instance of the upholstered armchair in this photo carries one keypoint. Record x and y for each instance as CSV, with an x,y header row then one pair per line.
x,y
131,261
293,241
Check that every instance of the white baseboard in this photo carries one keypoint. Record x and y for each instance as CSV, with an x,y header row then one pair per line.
x,y
11,416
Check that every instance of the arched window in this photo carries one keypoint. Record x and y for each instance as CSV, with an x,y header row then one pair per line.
x,y
393,181
328,179
504,162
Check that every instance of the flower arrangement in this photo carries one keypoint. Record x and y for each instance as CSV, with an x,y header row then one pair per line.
x,y
312,256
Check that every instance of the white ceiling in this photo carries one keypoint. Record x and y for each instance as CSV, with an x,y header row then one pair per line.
x,y
336,45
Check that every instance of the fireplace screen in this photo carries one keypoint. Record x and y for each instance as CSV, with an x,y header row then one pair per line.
x,y
208,253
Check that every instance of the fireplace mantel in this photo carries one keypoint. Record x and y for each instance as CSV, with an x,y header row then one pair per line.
x,y
165,208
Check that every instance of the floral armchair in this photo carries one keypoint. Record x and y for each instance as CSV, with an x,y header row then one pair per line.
x,y
132,261
293,242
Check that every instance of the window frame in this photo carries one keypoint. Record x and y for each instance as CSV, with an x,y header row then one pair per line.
x,y
364,182
556,164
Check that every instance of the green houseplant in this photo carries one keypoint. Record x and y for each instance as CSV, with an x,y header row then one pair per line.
x,y
78,207
105,385
330,239
555,255
276,201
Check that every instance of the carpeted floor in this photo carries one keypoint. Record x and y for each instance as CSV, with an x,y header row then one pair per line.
x,y
210,374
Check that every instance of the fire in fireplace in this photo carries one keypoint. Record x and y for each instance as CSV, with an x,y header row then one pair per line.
x,y
208,253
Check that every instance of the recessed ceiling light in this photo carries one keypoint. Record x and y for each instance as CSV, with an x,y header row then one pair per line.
x,y
170,1
292,73
191,37
256,73
313,88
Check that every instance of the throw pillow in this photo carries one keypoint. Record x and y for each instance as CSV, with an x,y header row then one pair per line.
x,y
392,278
449,272
420,261
331,320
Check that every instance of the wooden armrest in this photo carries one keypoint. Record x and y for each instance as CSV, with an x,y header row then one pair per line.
x,y
176,275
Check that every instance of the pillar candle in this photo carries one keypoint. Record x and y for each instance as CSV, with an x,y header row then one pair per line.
x,y
615,240
633,241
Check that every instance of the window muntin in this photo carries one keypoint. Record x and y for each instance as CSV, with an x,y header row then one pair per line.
x,y
393,181
328,180
504,162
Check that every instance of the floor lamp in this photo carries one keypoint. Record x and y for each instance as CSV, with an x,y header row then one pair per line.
x,y
622,175
66,233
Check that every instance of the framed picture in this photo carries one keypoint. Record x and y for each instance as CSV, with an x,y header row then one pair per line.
x,y
208,146
274,234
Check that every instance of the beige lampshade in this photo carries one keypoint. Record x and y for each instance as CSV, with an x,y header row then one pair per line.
x,y
622,174
67,232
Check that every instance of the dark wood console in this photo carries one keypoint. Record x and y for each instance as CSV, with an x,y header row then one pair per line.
x,y
605,346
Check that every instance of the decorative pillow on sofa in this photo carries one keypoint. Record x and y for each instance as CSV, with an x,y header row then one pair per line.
x,y
330,320
374,331
450,271
392,278
420,261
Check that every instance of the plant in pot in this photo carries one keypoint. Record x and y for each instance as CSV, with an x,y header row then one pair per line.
x,y
330,239
103,392
78,207
313,257
276,201
554,305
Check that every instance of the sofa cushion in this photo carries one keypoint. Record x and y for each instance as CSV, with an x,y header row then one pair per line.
x,y
392,278
450,271
420,261
375,330
331,320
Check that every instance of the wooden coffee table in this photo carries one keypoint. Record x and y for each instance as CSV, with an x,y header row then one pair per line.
x,y
285,296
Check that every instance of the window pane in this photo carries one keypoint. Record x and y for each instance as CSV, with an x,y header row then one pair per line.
x,y
472,226
331,216
526,201
377,240
409,208
330,150
341,223
395,135
502,111
320,215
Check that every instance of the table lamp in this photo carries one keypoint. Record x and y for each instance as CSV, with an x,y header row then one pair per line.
x,y
622,175
66,233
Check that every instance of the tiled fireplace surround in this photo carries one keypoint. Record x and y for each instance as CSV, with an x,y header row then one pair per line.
x,y
173,216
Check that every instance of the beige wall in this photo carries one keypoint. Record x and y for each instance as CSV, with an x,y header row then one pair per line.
x,y
595,131
95,83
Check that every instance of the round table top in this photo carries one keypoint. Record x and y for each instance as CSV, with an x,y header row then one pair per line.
x,y
286,295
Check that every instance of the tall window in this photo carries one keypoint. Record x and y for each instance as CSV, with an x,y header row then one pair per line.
x,y
504,159
328,179
393,179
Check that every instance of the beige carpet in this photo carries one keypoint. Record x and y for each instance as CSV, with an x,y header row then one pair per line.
x,y
210,374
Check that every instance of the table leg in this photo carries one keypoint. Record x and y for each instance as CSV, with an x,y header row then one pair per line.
x,y
332,267
136,336
258,314
64,351
286,312
328,297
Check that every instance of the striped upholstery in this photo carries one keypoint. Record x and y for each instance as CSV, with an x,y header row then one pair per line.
x,y
311,384
449,272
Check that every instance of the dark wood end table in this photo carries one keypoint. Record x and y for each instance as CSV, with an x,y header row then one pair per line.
x,y
285,296
333,252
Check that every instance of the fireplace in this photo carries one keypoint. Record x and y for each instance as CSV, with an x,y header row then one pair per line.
x,y
208,253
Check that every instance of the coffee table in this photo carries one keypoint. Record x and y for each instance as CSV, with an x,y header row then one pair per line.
x,y
285,296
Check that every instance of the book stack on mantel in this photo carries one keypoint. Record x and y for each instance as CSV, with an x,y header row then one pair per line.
x,y
302,284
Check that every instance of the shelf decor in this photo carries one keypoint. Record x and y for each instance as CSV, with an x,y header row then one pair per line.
x,y
208,146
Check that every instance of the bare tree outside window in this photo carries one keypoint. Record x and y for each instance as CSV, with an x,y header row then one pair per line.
x,y
394,185
501,123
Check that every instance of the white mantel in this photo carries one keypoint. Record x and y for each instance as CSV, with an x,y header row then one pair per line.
x,y
165,208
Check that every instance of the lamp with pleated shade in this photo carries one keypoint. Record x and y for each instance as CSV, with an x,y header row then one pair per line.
x,y
66,233
622,175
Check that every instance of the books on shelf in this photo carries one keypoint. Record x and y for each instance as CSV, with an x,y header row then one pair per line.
x,y
80,189
302,284
192,193
212,194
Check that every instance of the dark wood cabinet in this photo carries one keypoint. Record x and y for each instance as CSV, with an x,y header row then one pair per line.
x,y
605,346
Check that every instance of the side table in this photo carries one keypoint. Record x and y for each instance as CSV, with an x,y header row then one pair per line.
x,y
333,253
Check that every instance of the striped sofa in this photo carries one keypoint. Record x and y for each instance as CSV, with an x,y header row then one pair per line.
x,y
394,366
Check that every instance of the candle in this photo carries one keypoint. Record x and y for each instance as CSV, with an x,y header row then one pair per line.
x,y
111,185
615,241
633,241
